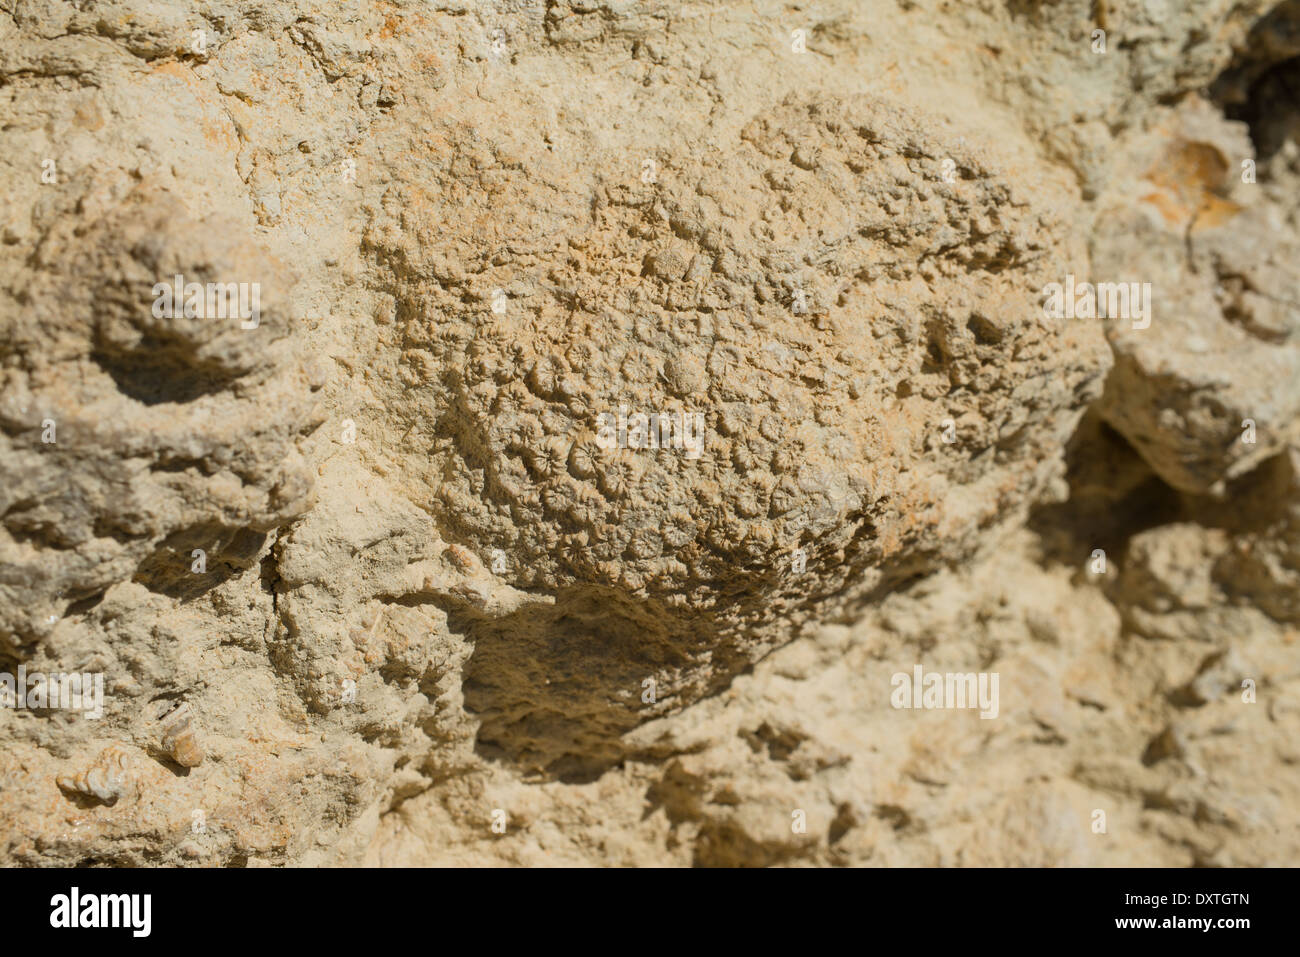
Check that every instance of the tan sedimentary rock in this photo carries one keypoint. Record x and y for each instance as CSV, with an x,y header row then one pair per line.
x,y
375,538
1208,391
820,306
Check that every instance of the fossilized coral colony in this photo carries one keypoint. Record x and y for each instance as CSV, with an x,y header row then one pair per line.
x,y
538,432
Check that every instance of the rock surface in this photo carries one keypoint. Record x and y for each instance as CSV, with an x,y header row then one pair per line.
x,y
389,570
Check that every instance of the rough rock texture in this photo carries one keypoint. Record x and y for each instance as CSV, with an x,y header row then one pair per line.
x,y
366,581
1210,392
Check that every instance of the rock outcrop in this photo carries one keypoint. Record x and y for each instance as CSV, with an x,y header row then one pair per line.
x,y
534,433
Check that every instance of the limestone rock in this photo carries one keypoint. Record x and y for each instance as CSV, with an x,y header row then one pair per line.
x,y
372,576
